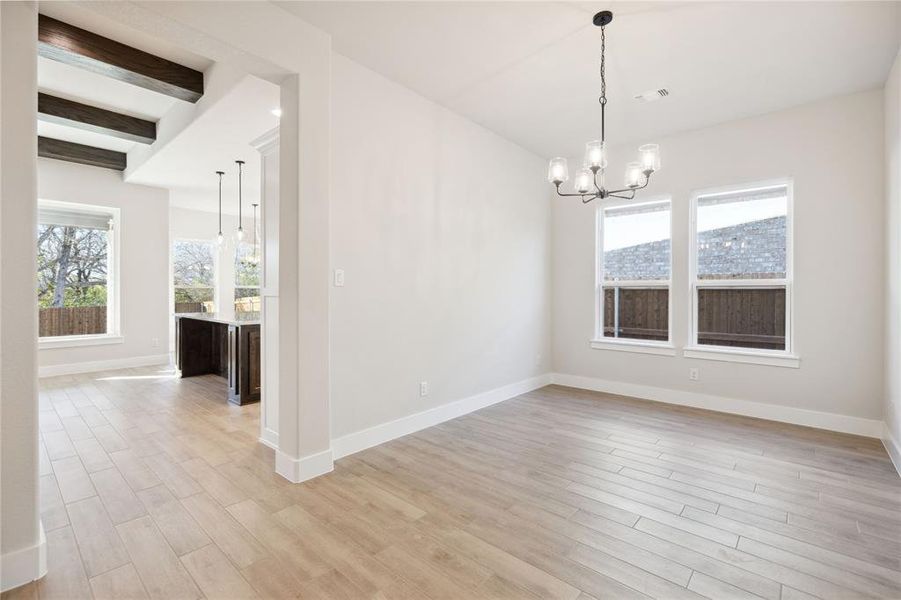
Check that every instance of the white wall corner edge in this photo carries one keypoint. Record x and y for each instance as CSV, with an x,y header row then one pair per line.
x,y
25,565
297,470
385,432
892,447
103,365
872,428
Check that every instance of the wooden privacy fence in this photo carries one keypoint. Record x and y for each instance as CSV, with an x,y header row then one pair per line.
x,y
749,318
189,307
71,320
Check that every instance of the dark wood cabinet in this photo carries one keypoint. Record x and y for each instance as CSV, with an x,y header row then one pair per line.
x,y
206,343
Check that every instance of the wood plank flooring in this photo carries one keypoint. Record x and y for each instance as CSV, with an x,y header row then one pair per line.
x,y
155,487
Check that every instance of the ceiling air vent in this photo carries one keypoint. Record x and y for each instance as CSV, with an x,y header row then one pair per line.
x,y
652,95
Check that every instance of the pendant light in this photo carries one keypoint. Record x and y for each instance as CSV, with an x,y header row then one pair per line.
x,y
219,237
586,184
240,233
256,257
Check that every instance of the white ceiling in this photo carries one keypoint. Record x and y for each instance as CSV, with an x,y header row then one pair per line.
x,y
528,70
212,142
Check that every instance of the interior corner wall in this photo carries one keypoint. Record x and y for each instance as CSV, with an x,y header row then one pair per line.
x,y
833,150
443,231
892,406
143,266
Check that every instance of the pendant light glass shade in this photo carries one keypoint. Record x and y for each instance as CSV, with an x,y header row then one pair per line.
x,y
584,181
650,158
633,175
596,155
557,171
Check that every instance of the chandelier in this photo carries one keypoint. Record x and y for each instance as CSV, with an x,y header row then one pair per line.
x,y
585,184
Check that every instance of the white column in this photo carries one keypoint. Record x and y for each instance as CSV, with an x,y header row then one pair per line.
x,y
22,542
267,145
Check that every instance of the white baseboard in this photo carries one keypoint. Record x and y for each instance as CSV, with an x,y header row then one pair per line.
x,y
25,565
102,365
269,438
892,447
379,434
301,469
773,412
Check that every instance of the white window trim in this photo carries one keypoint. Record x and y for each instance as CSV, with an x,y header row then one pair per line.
x,y
781,358
113,296
71,341
599,341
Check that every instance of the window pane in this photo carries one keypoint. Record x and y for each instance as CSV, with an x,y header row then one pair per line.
x,y
247,278
636,313
72,279
742,235
247,300
193,275
742,317
637,242
247,265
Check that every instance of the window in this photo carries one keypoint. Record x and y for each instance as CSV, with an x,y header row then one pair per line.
x,y
194,276
741,270
76,258
247,278
634,274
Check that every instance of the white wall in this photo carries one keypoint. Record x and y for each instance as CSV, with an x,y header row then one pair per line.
x,y
892,407
833,151
143,267
22,542
443,230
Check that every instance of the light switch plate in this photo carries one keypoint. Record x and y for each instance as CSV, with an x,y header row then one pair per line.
x,y
339,277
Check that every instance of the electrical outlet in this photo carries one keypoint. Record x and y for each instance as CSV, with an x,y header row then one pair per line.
x,y
339,277
694,374
423,388
155,342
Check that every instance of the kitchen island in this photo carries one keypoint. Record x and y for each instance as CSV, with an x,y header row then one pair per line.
x,y
227,345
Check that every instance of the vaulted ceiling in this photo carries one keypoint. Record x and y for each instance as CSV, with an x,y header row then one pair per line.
x,y
528,70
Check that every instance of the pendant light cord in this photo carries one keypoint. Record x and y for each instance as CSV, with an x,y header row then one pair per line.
x,y
220,174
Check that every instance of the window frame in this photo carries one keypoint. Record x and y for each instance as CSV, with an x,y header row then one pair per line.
x,y
598,341
173,287
762,356
113,333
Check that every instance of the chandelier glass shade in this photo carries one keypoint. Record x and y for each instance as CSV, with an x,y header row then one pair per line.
x,y
589,182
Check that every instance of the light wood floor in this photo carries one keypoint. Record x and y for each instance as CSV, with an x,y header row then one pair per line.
x,y
154,486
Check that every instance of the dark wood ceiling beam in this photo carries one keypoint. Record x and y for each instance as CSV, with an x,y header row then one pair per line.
x,y
90,118
71,45
81,154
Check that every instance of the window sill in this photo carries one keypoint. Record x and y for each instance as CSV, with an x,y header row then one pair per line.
x,y
772,359
72,341
639,346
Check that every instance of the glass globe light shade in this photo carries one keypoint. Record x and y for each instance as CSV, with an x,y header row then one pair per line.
x,y
633,175
584,181
596,155
649,155
557,171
